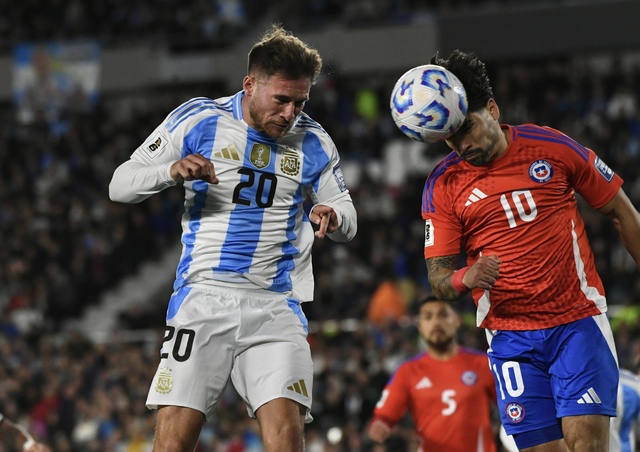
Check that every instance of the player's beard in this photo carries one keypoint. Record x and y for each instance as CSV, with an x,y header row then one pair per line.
x,y
476,157
262,123
482,155
441,343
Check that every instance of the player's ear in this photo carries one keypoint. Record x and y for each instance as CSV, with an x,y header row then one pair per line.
x,y
248,84
492,108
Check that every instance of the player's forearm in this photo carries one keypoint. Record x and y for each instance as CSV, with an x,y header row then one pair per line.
x,y
630,235
440,270
347,218
626,220
379,429
133,181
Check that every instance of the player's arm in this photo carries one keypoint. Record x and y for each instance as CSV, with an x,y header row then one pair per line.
x,y
390,408
450,283
336,217
161,161
626,220
333,211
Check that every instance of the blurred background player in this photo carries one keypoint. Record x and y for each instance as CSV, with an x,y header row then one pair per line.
x,y
14,435
507,194
624,426
448,389
246,261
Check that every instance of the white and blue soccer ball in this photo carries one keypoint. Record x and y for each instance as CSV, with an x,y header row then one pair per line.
x,y
429,103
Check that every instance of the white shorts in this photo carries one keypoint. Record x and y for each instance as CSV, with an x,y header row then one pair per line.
x,y
256,337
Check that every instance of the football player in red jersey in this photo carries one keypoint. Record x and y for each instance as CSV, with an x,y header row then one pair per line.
x,y
506,194
448,389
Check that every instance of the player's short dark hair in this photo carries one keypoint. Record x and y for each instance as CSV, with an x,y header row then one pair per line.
x,y
279,52
429,298
473,75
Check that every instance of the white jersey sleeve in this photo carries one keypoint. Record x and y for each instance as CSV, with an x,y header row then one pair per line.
x,y
147,172
332,191
251,228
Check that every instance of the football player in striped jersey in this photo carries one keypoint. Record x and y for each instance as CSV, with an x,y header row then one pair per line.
x,y
247,163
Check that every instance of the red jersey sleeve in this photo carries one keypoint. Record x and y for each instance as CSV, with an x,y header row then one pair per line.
x,y
443,229
588,174
394,401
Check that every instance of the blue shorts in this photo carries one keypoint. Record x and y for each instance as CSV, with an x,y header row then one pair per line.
x,y
544,375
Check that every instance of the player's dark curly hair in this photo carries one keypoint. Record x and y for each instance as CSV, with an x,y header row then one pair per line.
x,y
473,75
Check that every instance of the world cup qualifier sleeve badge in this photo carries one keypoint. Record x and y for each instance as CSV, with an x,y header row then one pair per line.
x,y
603,169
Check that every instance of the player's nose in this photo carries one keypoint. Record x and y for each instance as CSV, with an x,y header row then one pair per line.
x,y
464,147
289,111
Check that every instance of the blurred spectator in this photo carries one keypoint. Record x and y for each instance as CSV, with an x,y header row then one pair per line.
x,y
387,303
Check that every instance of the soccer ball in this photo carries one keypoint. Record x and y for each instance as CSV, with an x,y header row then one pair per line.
x,y
428,103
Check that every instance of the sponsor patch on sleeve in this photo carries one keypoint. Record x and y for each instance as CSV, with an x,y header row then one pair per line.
x,y
603,169
428,233
155,144
337,173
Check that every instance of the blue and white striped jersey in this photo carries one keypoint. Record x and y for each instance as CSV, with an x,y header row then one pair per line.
x,y
250,229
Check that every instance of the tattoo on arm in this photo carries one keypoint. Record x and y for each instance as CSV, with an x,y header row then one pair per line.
x,y
440,270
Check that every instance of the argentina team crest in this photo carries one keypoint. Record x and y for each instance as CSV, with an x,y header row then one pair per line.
x,y
541,171
260,155
165,381
290,163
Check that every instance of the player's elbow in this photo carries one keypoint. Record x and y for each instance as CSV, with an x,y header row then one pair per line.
x,y
118,193
349,223
344,235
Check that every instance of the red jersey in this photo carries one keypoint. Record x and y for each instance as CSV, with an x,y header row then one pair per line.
x,y
522,208
450,401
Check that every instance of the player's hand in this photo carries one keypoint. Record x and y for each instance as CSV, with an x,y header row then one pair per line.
x,y
379,431
483,273
192,167
326,219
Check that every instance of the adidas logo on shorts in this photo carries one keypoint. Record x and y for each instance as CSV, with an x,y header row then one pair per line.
x,y
589,397
299,388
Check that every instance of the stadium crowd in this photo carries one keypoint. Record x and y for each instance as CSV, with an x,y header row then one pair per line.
x,y
203,24
63,244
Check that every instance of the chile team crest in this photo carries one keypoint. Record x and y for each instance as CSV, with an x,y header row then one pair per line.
x,y
541,171
514,412
469,378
